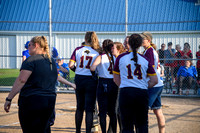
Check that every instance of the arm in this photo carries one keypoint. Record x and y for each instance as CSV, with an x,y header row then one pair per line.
x,y
72,65
64,81
117,79
63,69
162,73
95,63
23,58
172,52
153,81
17,86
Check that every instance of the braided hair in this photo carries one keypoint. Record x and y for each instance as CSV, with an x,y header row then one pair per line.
x,y
42,41
107,46
135,41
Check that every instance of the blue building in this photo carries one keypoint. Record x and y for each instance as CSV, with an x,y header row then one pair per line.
x,y
177,21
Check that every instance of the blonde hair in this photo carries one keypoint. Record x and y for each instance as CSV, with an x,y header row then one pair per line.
x,y
42,41
147,35
120,47
92,39
154,46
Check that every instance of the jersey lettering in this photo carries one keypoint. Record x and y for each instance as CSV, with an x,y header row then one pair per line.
x,y
137,72
82,62
129,72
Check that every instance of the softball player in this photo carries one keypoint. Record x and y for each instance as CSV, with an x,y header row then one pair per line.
x,y
117,49
155,91
107,90
25,53
130,74
86,85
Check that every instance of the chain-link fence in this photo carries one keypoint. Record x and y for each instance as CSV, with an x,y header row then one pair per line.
x,y
8,76
180,75
179,69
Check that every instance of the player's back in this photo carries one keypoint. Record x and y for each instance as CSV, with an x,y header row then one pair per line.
x,y
132,76
84,56
105,68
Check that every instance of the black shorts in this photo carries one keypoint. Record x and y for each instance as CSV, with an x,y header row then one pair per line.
x,y
85,92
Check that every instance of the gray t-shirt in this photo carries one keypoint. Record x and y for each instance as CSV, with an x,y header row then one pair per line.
x,y
168,55
42,79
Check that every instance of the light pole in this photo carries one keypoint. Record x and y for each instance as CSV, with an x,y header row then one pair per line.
x,y
126,19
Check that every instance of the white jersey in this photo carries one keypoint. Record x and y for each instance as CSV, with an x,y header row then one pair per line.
x,y
152,55
84,57
130,75
105,69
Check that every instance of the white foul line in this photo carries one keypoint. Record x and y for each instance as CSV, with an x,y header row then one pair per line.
x,y
9,124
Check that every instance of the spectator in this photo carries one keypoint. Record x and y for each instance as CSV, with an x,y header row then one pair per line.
x,y
62,67
198,63
178,63
169,54
54,53
187,53
186,72
25,53
161,53
162,72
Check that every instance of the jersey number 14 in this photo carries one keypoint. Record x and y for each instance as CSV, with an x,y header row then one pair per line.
x,y
137,72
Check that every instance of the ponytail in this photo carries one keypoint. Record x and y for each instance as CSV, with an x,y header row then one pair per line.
x,y
92,39
153,45
107,46
42,41
135,41
135,59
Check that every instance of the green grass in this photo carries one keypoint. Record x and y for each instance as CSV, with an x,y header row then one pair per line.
x,y
8,76
71,76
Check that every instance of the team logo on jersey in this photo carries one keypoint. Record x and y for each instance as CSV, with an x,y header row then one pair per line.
x,y
87,51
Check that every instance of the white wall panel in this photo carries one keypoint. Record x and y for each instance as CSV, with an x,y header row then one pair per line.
x,y
7,47
13,44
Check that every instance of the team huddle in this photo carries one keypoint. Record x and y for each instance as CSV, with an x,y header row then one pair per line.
x,y
122,78
125,83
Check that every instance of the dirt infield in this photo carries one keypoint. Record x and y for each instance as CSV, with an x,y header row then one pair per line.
x,y
182,115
